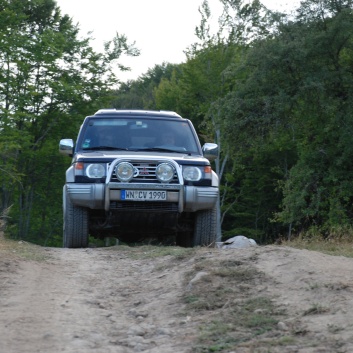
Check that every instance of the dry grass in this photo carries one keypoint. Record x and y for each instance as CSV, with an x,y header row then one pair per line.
x,y
151,251
330,246
21,249
337,241
225,301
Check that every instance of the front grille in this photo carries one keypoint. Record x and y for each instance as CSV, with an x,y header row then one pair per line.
x,y
146,173
144,206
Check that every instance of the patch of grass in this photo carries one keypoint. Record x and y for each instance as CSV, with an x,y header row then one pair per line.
x,y
334,329
316,309
313,286
189,299
239,325
338,242
202,265
260,323
243,274
230,263
329,247
153,251
285,341
258,314
22,249
217,336
226,294
337,286
212,300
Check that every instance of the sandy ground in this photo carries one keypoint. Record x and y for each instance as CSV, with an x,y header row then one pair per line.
x,y
114,299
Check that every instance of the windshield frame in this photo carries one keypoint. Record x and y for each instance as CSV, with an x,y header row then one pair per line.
x,y
138,130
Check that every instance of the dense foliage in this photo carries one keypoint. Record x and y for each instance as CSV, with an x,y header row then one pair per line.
x,y
273,90
49,79
292,117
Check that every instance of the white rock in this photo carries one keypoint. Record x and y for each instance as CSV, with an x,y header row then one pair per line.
x,y
282,326
238,242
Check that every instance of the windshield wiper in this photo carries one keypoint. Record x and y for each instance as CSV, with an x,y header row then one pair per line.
x,y
102,148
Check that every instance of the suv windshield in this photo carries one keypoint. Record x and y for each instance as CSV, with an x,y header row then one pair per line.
x,y
140,134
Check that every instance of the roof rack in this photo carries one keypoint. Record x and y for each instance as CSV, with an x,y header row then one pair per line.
x,y
137,112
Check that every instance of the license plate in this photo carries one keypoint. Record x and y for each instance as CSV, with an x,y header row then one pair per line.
x,y
143,195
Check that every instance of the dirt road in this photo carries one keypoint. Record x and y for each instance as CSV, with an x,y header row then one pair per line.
x,y
168,299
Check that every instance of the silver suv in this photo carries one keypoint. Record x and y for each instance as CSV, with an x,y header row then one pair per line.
x,y
139,174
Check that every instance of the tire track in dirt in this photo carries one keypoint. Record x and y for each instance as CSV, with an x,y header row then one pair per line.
x,y
125,300
93,300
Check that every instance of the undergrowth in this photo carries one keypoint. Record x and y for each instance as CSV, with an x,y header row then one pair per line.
x,y
337,241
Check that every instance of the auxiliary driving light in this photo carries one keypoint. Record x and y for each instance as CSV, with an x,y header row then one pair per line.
x,y
124,171
164,172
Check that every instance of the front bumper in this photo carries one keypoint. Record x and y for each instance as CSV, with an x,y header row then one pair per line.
x,y
101,196
180,198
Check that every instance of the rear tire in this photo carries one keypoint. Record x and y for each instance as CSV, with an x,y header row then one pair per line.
x,y
205,230
75,224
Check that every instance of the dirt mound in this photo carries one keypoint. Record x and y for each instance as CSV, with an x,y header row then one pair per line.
x,y
170,299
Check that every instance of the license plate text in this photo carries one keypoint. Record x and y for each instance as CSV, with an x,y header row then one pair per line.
x,y
143,195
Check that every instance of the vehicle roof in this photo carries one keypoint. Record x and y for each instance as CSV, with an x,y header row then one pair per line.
x,y
136,112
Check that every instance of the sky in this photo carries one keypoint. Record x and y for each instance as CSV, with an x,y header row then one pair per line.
x,y
161,29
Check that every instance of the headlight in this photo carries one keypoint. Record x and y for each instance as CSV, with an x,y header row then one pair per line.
x,y
95,171
124,171
164,172
192,173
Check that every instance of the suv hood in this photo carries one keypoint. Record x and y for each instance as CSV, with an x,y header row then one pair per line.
x,y
111,155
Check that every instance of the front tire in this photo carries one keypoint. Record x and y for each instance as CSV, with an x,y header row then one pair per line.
x,y
75,224
205,230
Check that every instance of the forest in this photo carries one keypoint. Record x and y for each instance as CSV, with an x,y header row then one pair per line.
x,y
273,90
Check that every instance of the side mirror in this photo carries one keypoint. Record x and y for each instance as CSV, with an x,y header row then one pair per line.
x,y
66,147
210,151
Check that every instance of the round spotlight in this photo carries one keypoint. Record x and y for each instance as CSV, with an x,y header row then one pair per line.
x,y
124,171
164,172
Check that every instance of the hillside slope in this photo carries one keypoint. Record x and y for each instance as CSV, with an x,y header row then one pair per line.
x,y
173,300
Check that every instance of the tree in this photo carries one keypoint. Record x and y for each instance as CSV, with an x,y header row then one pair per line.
x,y
49,79
208,75
294,89
206,78
140,93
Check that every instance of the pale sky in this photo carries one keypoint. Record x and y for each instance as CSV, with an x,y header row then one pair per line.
x,y
162,29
